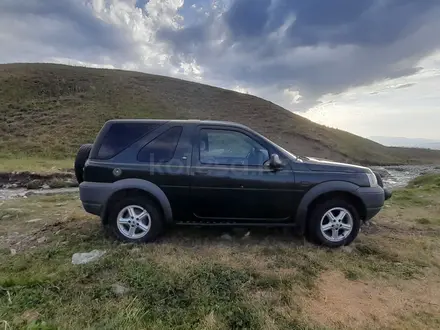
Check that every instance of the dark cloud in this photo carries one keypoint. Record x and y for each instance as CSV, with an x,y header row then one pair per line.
x,y
314,46
246,18
62,27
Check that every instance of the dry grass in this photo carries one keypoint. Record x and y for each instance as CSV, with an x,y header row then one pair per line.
x,y
49,110
357,304
193,279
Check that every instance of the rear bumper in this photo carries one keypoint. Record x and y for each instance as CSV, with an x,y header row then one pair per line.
x,y
94,196
373,199
92,208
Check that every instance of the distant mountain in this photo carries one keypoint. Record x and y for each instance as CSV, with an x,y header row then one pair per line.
x,y
407,142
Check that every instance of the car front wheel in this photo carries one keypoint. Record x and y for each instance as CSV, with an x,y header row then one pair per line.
x,y
334,223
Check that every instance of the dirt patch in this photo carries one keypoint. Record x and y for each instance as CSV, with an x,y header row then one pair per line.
x,y
356,304
33,180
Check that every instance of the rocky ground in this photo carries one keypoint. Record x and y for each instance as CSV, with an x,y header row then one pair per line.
x,y
33,180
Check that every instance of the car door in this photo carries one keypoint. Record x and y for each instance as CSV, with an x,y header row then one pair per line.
x,y
230,179
164,160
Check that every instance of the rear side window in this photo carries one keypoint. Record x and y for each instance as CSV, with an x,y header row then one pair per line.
x,y
122,135
162,148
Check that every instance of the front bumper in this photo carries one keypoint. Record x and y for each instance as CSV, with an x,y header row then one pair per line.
x,y
388,193
373,199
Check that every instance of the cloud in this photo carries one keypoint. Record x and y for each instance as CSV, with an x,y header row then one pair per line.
x,y
405,85
311,46
404,106
300,54
34,30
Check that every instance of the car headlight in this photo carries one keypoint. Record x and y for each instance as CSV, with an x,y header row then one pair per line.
x,y
372,179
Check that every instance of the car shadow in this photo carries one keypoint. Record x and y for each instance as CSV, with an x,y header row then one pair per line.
x,y
207,235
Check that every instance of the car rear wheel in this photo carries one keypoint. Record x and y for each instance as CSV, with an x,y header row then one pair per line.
x,y
334,223
136,220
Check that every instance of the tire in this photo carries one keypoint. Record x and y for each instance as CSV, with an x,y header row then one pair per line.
x,y
345,237
153,219
80,160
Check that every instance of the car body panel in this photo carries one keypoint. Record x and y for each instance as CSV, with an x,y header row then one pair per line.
x,y
189,191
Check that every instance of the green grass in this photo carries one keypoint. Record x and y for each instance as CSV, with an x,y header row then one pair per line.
x,y
35,164
192,279
421,191
426,182
48,111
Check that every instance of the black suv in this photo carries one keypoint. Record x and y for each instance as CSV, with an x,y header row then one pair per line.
x,y
141,176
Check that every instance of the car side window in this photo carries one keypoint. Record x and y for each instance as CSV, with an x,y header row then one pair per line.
x,y
225,147
121,136
162,148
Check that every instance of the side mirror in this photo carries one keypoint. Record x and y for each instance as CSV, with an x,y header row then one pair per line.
x,y
275,162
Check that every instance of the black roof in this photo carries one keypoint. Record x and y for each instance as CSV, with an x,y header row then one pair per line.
x,y
181,122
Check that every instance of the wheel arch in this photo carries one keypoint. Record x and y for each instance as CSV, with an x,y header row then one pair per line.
x,y
325,191
136,187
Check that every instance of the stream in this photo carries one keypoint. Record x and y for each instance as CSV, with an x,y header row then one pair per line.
x,y
393,177
11,193
399,176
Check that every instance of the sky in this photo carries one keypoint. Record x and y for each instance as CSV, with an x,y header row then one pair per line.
x,y
371,67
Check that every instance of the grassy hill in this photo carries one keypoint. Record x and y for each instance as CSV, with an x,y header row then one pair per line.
x,y
48,110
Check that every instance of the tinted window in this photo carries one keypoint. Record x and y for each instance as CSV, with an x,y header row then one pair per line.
x,y
162,148
122,135
230,148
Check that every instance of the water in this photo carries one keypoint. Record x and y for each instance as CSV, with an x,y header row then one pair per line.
x,y
399,176
22,192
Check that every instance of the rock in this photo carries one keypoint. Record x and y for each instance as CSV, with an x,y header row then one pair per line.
x,y
119,289
396,168
41,240
226,237
45,186
84,258
347,249
382,171
33,220
29,316
240,232
34,184
13,252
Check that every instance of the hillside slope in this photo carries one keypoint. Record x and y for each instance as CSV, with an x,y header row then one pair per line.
x,y
49,110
